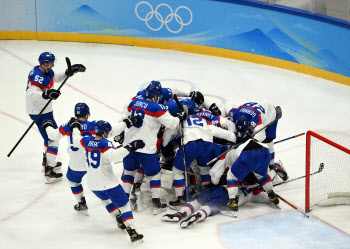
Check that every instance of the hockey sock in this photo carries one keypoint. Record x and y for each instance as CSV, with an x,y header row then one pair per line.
x,y
111,208
179,181
128,180
138,175
155,185
204,171
272,152
127,215
205,211
77,190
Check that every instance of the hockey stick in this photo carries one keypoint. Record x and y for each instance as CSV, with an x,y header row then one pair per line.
x,y
25,133
183,147
289,138
301,177
290,204
279,115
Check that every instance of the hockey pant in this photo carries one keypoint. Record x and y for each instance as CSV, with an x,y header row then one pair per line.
x,y
75,178
151,167
116,201
256,161
201,150
50,146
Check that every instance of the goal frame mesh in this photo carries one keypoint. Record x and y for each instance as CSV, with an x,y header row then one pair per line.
x,y
309,135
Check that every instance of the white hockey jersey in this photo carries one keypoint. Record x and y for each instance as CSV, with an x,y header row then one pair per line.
x,y
37,83
154,115
100,155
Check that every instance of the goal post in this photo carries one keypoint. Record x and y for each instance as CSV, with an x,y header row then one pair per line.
x,y
332,185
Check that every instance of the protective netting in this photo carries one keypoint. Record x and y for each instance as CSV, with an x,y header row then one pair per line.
x,y
331,186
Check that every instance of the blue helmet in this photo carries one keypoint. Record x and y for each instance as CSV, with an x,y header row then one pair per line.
x,y
154,89
46,57
243,122
102,126
81,109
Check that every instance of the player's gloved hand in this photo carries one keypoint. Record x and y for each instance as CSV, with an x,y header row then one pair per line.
x,y
133,121
242,137
119,138
197,97
233,203
76,68
182,113
51,94
167,151
46,123
74,123
273,197
135,145
215,109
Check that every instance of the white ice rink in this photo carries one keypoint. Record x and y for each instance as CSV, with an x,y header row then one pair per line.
x,y
36,215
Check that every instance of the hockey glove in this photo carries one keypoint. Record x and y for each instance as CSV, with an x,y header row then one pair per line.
x,y
135,145
133,121
46,123
182,113
120,138
51,94
168,151
74,123
215,109
76,68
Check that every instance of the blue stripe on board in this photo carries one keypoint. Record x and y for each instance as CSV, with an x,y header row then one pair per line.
x,y
290,10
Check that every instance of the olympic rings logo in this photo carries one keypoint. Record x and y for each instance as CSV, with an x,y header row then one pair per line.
x,y
164,21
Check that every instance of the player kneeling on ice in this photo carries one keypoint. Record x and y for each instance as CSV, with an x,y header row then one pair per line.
x,y
101,178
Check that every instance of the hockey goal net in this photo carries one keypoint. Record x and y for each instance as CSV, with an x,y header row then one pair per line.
x,y
327,168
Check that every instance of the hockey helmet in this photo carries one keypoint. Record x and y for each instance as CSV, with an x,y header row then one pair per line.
x,y
46,57
102,126
154,89
81,109
197,97
243,122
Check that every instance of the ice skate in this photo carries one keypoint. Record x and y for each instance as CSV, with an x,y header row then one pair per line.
x,y
81,207
177,204
134,236
121,224
158,206
190,220
173,217
51,176
273,197
280,170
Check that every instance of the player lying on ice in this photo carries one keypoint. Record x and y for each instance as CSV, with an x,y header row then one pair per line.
x,y
248,165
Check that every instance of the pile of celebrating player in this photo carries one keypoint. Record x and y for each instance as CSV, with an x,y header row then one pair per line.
x,y
217,159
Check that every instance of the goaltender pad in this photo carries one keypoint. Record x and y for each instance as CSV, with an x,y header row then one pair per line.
x,y
332,185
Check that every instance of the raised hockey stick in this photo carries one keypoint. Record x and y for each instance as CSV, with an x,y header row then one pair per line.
x,y
279,115
69,65
301,177
183,147
293,206
282,140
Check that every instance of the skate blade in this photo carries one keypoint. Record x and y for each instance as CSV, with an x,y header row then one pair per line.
x,y
52,180
177,208
136,243
158,210
84,212
188,223
168,219
229,213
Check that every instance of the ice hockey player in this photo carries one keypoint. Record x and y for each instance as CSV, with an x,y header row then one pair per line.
x,y
250,118
77,162
198,143
250,156
154,115
102,181
40,89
